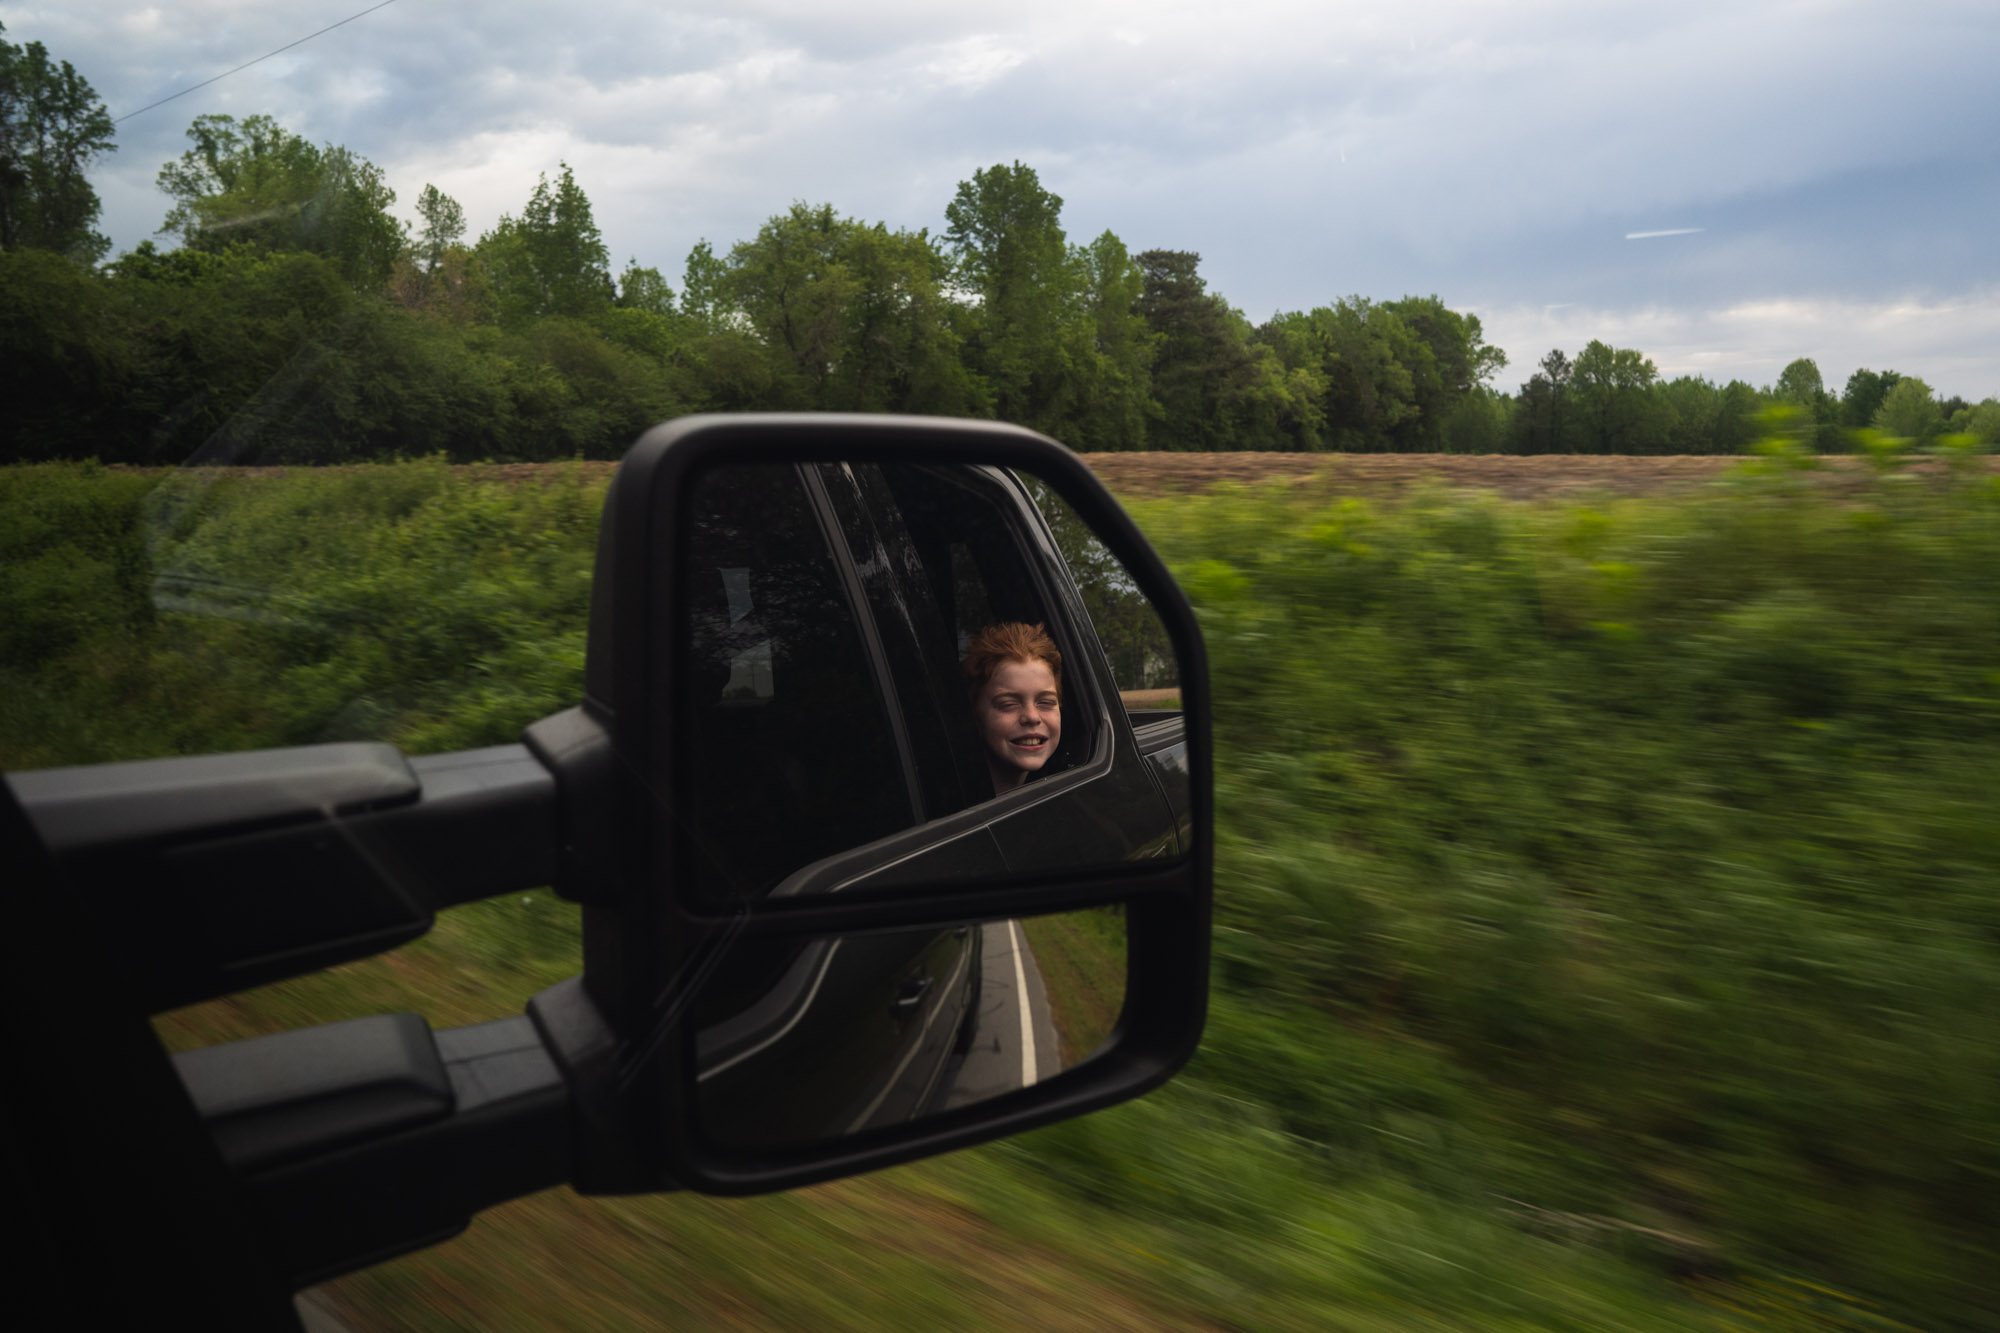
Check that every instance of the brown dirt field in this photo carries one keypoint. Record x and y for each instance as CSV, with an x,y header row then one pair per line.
x,y
1145,476
1546,476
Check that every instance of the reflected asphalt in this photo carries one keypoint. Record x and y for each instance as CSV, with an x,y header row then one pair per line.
x,y
1014,1041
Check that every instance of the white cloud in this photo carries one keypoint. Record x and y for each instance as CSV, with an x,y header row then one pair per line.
x,y
973,62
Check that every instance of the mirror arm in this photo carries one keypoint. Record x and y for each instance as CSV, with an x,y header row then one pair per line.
x,y
592,806
212,874
362,1140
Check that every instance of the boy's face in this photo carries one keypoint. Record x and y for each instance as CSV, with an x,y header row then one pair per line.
x,y
1020,718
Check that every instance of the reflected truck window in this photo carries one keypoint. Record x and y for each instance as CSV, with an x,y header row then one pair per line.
x,y
834,740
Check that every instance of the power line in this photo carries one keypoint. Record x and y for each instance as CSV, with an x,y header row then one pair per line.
x,y
259,60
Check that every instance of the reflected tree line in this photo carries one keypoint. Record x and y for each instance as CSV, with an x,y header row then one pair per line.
x,y
290,316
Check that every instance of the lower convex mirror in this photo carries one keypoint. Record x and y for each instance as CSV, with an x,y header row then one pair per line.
x,y
806,1039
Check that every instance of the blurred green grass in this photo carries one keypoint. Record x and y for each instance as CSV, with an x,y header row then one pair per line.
x,y
1606,902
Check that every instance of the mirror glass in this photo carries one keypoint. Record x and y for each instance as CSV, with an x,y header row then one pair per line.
x,y
800,1040
901,675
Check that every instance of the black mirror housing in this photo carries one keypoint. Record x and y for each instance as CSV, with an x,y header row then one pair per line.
x,y
626,1036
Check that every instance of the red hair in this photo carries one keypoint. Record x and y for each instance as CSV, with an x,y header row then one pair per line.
x,y
996,645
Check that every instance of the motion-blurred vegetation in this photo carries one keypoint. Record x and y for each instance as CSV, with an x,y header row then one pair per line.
x,y
1608,896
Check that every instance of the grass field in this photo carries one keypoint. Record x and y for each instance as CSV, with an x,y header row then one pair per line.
x,y
1607,931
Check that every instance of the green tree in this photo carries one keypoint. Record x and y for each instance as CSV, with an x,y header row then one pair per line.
x,y
1542,415
1862,398
1981,420
240,183
1737,424
1367,369
349,218
1908,412
552,259
1460,361
1616,408
855,314
795,286
1117,363
1705,419
1800,383
1479,423
52,127
1215,387
644,289
703,280
1015,273
256,183
443,226
904,352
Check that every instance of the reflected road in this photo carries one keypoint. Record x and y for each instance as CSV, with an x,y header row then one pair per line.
x,y
1014,1040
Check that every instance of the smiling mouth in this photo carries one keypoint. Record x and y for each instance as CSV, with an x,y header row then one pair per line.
x,y
1031,742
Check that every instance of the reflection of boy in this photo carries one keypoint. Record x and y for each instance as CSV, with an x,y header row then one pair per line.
x,y
1013,674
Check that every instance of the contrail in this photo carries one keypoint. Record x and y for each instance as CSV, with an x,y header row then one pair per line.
x,y
1671,231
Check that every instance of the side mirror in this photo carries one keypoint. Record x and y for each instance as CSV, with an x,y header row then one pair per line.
x,y
845,904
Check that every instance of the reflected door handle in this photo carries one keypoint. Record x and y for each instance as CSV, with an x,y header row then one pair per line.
x,y
909,995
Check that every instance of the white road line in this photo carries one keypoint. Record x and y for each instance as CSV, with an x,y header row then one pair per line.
x,y
1021,999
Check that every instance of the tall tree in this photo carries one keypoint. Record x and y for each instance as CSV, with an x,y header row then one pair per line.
x,y
795,285
1980,420
1117,362
1800,383
52,127
1014,269
704,279
1541,418
641,288
443,226
552,259
856,314
1862,398
1461,361
1379,374
256,183
1615,404
1217,389
1909,412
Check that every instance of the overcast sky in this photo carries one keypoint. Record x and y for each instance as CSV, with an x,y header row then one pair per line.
x,y
1818,178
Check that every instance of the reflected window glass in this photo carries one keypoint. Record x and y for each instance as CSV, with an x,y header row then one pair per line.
x,y
1135,639
967,533
790,754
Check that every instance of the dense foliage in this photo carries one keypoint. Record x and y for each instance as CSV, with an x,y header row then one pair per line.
x,y
1607,895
